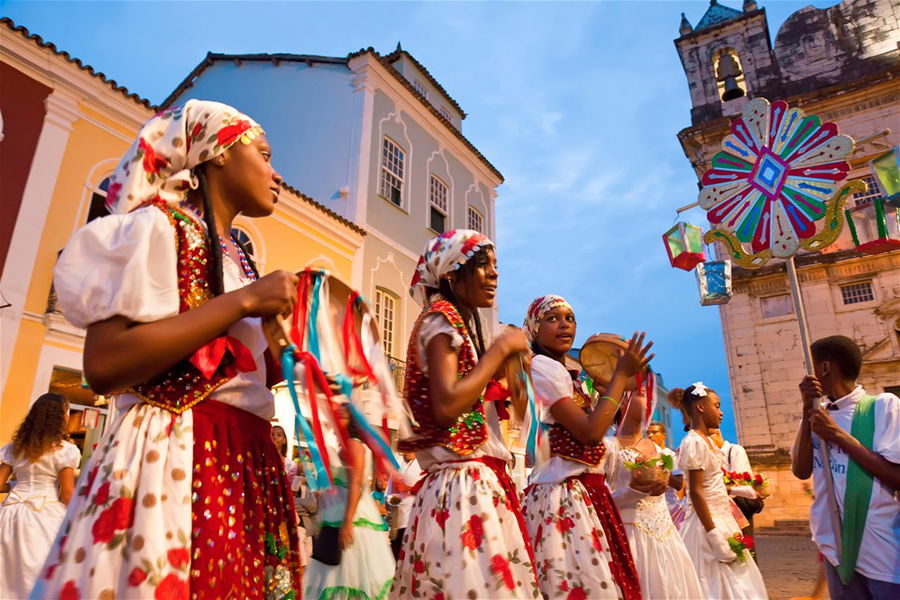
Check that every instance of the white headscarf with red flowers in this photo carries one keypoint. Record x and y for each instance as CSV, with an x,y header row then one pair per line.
x,y
536,311
158,164
444,254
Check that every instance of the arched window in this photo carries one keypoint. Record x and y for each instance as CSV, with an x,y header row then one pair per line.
x,y
244,238
729,74
98,201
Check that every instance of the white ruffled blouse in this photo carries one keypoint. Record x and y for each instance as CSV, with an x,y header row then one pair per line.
x,y
126,265
552,383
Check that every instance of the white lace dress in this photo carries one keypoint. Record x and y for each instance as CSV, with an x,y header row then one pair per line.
x,y
737,580
664,566
30,516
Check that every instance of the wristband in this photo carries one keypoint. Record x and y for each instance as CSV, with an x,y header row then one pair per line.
x,y
616,402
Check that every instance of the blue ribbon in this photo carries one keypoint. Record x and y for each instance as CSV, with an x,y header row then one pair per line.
x,y
313,316
319,480
531,443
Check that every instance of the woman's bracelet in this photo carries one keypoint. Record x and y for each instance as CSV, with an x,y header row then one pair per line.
x,y
614,401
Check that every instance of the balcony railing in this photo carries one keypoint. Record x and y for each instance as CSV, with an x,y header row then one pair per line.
x,y
398,372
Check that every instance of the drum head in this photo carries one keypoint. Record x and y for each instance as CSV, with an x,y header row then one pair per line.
x,y
599,356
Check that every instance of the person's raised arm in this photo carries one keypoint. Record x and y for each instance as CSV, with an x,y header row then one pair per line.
x,y
802,452
591,428
452,396
119,353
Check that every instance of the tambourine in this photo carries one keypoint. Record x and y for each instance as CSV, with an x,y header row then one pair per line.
x,y
599,356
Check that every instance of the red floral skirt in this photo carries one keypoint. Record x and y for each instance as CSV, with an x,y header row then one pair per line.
x,y
243,523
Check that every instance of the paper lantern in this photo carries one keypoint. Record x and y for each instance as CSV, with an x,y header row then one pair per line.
x,y
875,227
714,282
886,169
684,244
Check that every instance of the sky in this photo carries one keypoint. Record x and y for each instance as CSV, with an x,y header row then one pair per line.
x,y
578,104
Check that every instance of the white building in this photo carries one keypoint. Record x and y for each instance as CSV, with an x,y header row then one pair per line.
x,y
374,138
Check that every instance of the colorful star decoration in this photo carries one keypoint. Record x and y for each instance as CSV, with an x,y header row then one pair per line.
x,y
778,174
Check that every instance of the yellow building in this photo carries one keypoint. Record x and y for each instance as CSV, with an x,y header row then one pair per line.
x,y
63,132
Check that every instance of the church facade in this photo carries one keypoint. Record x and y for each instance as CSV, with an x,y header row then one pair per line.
x,y
840,63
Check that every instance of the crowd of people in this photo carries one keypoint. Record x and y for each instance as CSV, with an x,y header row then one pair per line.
x,y
191,493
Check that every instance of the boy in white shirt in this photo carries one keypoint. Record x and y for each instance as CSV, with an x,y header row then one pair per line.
x,y
861,543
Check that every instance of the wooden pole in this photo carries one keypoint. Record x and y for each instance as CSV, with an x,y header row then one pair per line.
x,y
824,452
800,311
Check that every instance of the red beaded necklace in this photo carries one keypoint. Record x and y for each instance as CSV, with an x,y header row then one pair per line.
x,y
245,264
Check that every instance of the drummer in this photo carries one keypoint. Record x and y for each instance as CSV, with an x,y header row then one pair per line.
x,y
568,508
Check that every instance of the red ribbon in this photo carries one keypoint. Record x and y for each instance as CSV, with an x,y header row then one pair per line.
x,y
353,346
209,356
496,392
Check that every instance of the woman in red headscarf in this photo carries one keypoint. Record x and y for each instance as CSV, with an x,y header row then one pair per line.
x,y
466,537
580,544
186,494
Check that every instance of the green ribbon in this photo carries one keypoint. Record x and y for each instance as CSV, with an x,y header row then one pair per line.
x,y
858,490
361,522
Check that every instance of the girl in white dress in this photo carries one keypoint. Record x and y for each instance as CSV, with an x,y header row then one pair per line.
x,y
366,568
665,569
581,549
43,464
709,522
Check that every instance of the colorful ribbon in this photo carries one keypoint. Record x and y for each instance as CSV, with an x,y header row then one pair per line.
x,y
322,477
532,440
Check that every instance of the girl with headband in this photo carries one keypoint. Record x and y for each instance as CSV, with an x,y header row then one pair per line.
x,y
466,537
568,507
708,524
185,495
664,567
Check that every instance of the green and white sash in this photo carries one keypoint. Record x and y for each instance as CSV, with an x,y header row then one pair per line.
x,y
857,491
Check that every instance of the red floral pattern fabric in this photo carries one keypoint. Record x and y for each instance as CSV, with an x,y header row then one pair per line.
x,y
464,538
572,552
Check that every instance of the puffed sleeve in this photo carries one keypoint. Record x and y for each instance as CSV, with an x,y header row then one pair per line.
x,y
692,454
433,325
67,457
6,454
552,383
122,265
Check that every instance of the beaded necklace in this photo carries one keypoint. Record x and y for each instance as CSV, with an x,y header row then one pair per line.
x,y
245,264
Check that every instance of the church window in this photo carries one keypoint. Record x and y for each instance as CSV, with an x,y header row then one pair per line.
x,y
854,293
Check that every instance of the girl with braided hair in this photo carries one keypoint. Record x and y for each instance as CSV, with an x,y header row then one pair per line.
x,y
43,461
466,537
186,495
